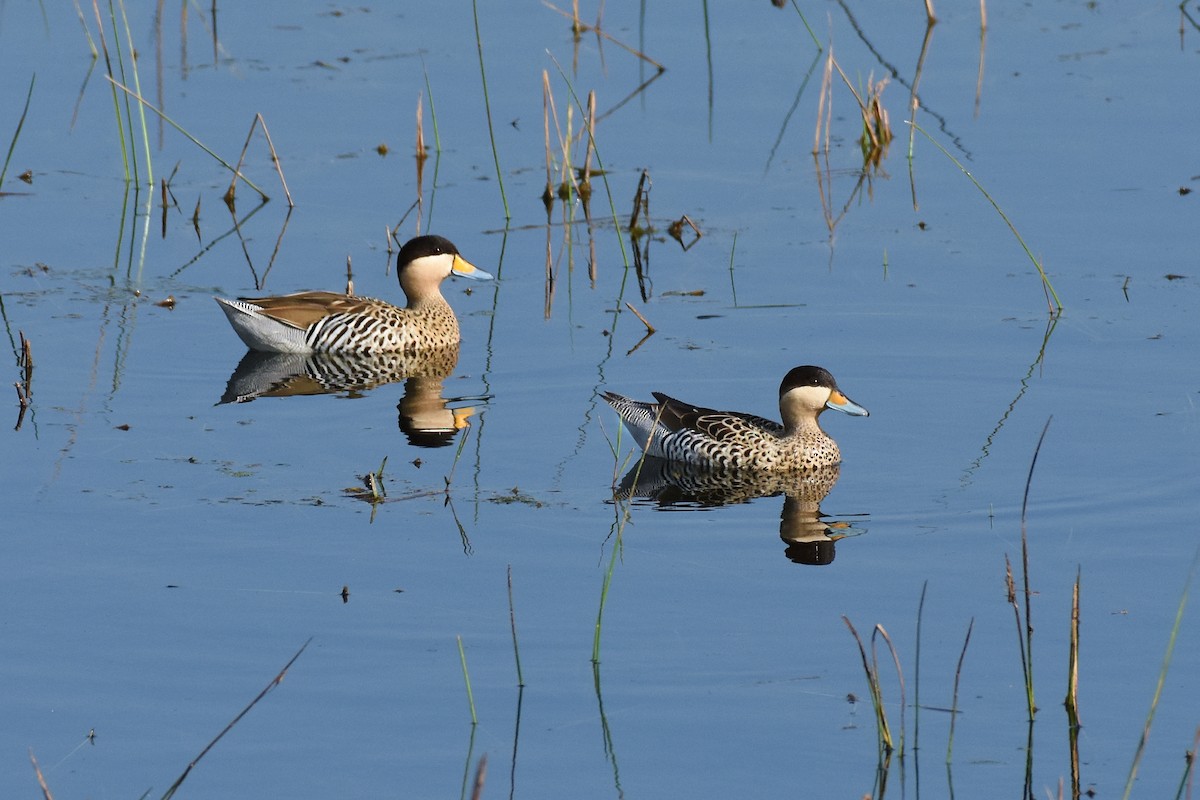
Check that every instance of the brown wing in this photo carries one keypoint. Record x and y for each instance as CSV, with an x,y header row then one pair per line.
x,y
304,308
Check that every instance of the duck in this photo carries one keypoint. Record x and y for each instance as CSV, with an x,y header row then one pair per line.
x,y
677,431
328,322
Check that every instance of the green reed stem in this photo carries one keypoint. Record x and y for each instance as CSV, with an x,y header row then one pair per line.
x,y
137,84
881,631
462,656
1162,676
608,574
112,14
487,106
512,619
882,733
17,133
954,700
807,27
108,67
1032,706
917,670
1049,287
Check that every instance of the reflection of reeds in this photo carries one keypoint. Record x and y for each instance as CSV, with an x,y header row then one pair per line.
x,y
982,47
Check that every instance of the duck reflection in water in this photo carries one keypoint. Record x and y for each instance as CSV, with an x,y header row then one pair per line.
x,y
809,537
426,417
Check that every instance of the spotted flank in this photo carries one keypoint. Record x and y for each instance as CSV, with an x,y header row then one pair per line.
x,y
678,431
328,322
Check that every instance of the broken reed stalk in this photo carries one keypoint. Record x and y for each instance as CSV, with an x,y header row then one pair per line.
x,y
274,682
462,656
649,328
1072,700
487,107
954,698
1162,675
882,732
17,133
196,141
256,122
512,620
1055,305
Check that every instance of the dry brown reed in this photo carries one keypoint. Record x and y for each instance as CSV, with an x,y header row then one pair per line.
x,y
1072,700
422,154
274,682
579,27
24,386
258,122
41,779
480,777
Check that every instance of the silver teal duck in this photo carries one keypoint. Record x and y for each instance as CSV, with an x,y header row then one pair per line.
x,y
679,431
328,322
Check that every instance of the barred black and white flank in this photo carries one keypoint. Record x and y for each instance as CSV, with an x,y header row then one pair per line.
x,y
328,322
679,431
